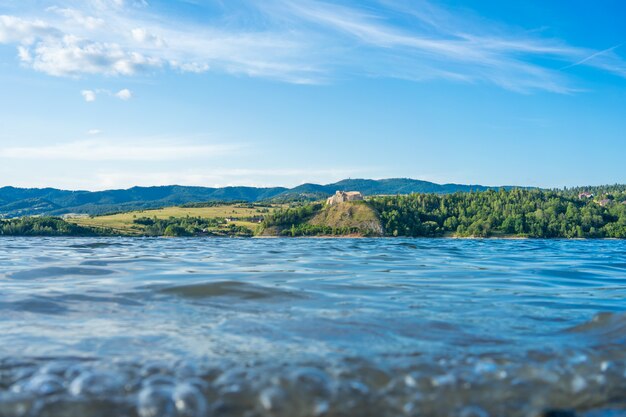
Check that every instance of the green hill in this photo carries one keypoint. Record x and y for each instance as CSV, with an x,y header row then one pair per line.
x,y
356,218
16,202
356,215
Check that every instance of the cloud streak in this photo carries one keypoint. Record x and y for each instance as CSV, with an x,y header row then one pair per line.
x,y
219,177
298,41
103,150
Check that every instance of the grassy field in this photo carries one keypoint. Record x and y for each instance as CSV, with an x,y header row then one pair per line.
x,y
123,222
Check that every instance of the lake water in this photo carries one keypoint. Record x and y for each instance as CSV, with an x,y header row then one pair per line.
x,y
312,327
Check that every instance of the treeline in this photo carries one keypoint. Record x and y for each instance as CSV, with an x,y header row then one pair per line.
x,y
46,226
172,227
520,212
305,229
190,226
615,192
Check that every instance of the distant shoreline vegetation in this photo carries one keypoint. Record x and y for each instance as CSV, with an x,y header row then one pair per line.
x,y
47,226
590,212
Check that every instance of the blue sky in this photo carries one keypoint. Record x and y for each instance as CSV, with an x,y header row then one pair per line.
x,y
103,94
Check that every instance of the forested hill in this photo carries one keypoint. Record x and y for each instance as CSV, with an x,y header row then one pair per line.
x,y
503,213
15,202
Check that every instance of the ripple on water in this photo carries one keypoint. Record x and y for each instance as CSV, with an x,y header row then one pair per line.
x,y
304,328
39,305
605,330
58,272
231,289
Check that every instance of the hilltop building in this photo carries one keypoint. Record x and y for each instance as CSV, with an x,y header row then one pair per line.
x,y
343,196
585,195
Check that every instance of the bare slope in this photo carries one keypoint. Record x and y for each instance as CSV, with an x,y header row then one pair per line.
x,y
353,215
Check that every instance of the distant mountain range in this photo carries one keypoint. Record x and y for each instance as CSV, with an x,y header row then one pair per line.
x,y
16,202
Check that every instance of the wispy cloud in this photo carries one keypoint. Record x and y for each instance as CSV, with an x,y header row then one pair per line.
x,y
76,16
216,177
297,41
605,59
101,177
108,150
439,50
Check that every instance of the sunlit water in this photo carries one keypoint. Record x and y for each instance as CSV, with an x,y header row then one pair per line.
x,y
312,327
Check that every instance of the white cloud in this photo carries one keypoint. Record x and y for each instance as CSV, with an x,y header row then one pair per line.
x,y
89,95
143,36
24,55
135,3
124,94
76,16
300,41
73,56
17,30
94,132
118,4
109,150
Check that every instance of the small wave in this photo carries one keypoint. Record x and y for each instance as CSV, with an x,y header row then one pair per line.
x,y
57,272
605,329
35,305
233,289
96,245
82,298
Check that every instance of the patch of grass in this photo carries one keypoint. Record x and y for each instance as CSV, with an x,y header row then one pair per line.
x,y
123,223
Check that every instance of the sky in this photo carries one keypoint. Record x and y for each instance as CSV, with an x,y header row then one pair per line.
x,y
101,94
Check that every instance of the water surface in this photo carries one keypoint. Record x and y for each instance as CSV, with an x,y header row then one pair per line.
x,y
311,327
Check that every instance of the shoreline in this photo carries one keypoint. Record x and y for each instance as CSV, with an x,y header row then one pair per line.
x,y
314,237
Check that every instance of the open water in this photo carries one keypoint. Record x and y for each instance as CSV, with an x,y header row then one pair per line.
x,y
132,327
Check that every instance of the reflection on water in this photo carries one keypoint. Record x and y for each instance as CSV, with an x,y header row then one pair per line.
x,y
312,327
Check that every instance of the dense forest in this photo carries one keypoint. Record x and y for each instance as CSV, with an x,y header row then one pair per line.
x,y
601,213
46,226
532,213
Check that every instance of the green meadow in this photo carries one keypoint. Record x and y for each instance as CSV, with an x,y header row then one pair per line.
x,y
227,215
